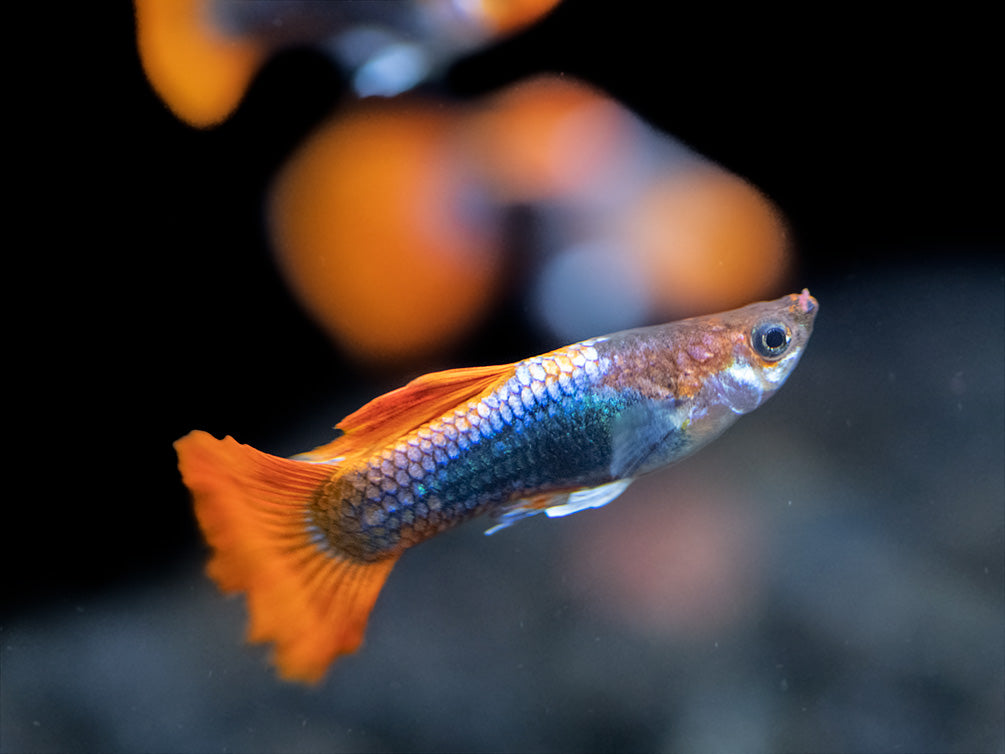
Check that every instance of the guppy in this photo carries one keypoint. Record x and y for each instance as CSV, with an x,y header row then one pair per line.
x,y
311,539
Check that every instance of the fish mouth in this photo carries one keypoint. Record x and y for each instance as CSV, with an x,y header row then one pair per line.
x,y
804,303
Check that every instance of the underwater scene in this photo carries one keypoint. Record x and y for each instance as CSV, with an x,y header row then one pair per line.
x,y
699,314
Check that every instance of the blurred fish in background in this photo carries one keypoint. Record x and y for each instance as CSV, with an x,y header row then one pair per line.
x,y
393,222
384,232
201,55
390,222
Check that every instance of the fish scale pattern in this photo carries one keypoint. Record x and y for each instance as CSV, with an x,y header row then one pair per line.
x,y
542,429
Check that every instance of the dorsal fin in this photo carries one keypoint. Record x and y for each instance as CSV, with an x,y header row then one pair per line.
x,y
397,413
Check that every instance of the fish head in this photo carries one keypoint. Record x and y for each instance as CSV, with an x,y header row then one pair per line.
x,y
767,340
697,376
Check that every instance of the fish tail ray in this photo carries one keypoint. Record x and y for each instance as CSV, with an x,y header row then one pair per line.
x,y
254,509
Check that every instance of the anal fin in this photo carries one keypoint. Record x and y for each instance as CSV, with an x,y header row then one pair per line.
x,y
560,503
590,497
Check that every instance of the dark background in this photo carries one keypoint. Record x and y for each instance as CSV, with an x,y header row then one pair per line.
x,y
145,303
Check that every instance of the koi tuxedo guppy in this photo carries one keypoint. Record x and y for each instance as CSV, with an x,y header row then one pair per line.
x,y
311,539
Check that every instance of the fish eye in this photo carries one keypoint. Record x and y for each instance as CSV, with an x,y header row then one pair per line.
x,y
770,339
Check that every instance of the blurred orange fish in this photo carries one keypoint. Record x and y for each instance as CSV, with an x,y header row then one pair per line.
x,y
392,204
201,55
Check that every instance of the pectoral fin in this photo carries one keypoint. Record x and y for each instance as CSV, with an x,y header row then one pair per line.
x,y
641,432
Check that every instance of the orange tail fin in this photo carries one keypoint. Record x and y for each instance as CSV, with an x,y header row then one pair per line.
x,y
253,508
199,71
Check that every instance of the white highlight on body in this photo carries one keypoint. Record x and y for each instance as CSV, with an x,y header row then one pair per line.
x,y
741,380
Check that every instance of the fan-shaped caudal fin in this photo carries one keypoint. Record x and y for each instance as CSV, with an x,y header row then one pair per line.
x,y
254,511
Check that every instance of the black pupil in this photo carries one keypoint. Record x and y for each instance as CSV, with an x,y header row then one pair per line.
x,y
774,338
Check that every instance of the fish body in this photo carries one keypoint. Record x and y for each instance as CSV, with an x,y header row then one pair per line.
x,y
311,539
